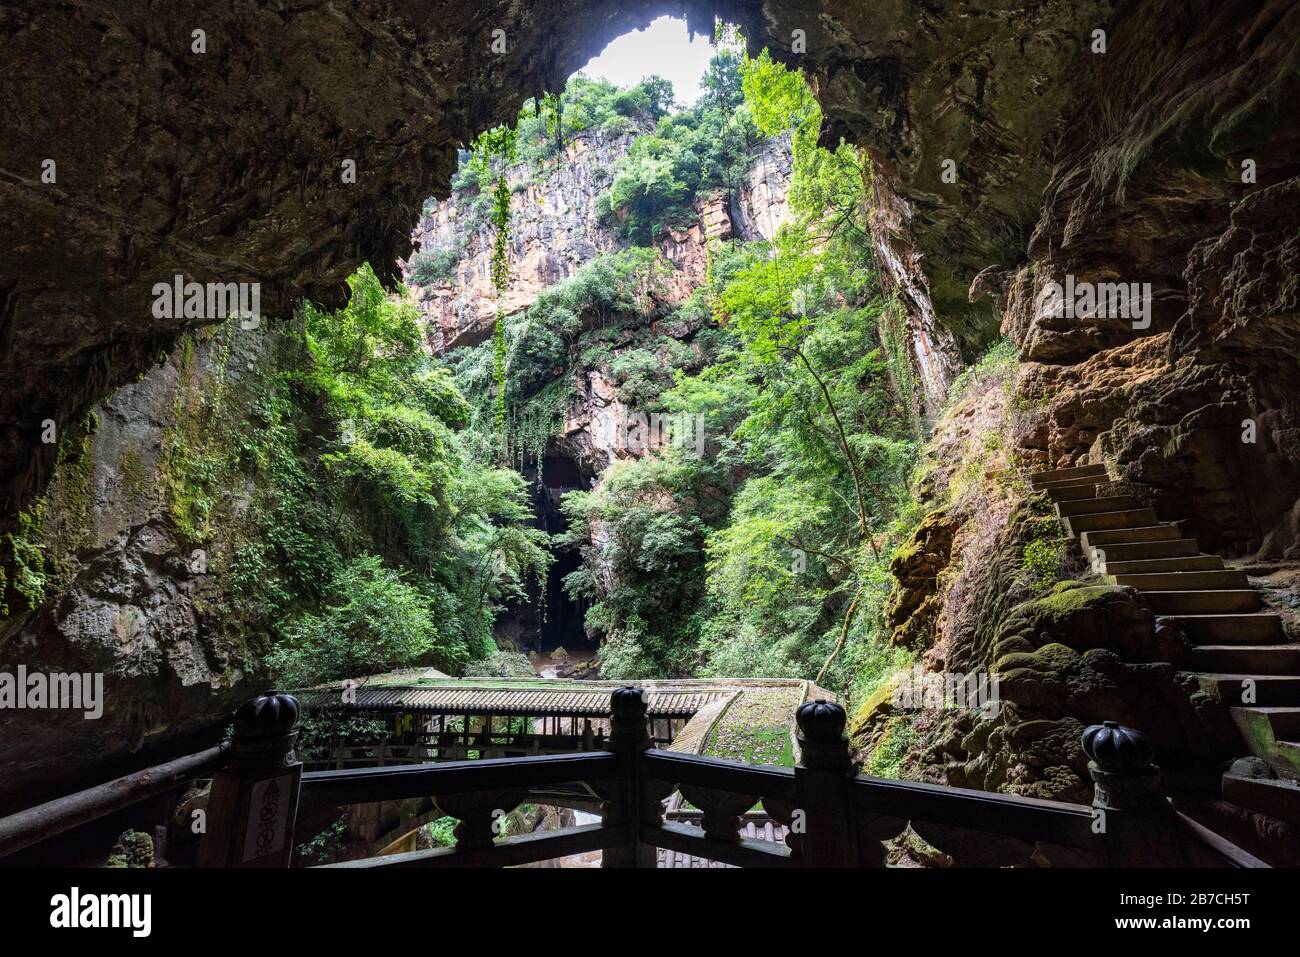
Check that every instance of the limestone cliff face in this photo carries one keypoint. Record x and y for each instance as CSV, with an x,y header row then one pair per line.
x,y
1181,176
554,230
595,430
1175,170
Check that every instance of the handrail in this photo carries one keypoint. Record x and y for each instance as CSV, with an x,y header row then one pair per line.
x,y
1030,819
365,785
35,824
505,852
1221,846
763,780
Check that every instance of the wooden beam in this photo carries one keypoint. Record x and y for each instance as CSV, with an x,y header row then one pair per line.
x,y
1030,819
506,852
366,785
35,824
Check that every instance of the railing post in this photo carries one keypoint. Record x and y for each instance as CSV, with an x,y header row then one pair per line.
x,y
1142,831
630,804
254,801
823,787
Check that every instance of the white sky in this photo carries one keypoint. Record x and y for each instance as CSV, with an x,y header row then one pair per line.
x,y
661,48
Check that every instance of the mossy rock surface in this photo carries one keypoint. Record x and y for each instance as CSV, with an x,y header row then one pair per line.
x,y
133,849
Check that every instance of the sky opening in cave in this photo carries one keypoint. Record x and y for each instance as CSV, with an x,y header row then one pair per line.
x,y
664,48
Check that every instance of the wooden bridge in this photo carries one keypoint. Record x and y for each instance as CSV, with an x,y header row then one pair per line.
x,y
443,719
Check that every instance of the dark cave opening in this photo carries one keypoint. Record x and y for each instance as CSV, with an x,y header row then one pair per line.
x,y
551,619
563,624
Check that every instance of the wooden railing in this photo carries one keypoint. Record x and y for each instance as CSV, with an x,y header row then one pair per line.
x,y
39,823
834,817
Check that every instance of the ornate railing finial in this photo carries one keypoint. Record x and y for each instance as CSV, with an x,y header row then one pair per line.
x,y
627,725
269,715
1121,764
821,735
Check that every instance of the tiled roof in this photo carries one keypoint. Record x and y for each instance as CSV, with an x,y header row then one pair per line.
x,y
660,703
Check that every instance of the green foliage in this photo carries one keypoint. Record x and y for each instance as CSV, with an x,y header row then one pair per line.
x,y
690,152
441,833
768,556
324,847
655,521
429,266
827,187
27,555
887,756
571,318
453,529
545,125
372,622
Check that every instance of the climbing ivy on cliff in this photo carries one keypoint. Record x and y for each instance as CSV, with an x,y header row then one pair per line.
x,y
494,152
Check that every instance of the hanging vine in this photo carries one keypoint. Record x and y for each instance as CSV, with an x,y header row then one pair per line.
x,y
496,148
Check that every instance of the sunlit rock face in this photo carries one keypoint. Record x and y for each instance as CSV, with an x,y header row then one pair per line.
x,y
127,594
554,231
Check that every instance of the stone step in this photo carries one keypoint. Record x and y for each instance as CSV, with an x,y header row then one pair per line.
x,y
1228,578
1084,477
1284,722
1271,660
1227,629
1143,551
1105,538
1133,518
1091,506
1224,602
1075,471
1074,492
1268,690
1276,797
1259,728
1188,563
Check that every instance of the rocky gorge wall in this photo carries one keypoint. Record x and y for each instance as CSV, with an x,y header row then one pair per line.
x,y
135,576
1173,169
555,230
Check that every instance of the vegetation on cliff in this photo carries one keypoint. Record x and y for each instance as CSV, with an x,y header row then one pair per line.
x,y
766,554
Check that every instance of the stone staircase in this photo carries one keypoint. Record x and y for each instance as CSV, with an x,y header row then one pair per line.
x,y
1240,649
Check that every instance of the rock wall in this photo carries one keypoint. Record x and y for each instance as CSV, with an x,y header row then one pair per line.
x,y
127,592
554,230
989,586
1180,173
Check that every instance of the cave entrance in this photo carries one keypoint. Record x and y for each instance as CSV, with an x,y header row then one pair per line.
x,y
559,638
